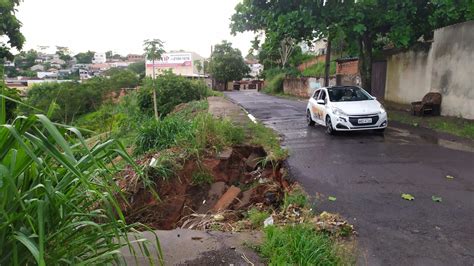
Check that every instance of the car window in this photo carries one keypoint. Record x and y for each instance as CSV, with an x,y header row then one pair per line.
x,y
348,94
316,93
322,96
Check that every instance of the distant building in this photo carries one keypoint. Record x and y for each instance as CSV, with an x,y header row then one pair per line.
x,y
47,75
99,58
135,58
255,68
180,63
37,68
9,64
84,74
317,47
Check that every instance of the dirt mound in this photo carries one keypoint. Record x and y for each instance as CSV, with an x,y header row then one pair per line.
x,y
240,179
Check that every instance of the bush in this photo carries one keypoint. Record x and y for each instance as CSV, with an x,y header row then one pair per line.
x,y
159,135
171,90
275,84
298,245
10,105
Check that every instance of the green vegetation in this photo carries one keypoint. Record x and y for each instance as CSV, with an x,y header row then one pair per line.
x,y
298,245
317,70
171,90
227,63
297,197
57,196
202,177
267,138
274,84
452,125
10,106
366,27
257,217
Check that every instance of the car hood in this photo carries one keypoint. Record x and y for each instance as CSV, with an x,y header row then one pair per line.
x,y
358,107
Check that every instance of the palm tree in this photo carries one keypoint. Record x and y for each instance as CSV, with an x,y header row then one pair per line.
x,y
154,51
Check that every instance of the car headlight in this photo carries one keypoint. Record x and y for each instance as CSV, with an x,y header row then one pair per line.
x,y
382,109
338,111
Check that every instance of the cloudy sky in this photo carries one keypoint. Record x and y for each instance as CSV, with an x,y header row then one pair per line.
x,y
122,25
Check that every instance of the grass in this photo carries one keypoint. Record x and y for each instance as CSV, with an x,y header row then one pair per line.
x,y
317,70
267,138
275,84
298,245
452,125
256,217
58,196
202,177
296,197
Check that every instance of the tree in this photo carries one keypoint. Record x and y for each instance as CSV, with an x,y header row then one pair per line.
x,y
199,65
122,78
373,24
25,60
64,53
85,58
10,28
139,68
227,63
154,51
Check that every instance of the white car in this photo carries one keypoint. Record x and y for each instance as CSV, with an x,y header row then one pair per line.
x,y
345,108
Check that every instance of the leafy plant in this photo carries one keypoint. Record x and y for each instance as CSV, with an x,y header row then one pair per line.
x,y
58,197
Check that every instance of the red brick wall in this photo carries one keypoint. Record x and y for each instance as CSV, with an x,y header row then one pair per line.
x,y
348,68
315,60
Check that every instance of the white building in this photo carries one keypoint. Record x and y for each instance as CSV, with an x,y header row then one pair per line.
x,y
99,58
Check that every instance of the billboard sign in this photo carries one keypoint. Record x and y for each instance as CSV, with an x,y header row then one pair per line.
x,y
172,60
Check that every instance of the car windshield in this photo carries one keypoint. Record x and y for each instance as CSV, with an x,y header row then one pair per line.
x,y
348,94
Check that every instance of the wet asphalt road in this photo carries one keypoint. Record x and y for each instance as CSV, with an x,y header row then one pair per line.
x,y
367,173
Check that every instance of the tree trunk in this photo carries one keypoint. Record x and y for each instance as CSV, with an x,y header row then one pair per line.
x,y
155,105
365,61
327,66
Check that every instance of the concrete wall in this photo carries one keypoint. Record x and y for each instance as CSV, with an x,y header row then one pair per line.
x,y
446,67
453,69
304,87
408,76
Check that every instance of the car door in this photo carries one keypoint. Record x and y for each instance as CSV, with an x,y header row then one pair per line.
x,y
313,104
321,108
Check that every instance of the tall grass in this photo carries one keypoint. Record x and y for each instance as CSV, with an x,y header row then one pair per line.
x,y
57,196
298,245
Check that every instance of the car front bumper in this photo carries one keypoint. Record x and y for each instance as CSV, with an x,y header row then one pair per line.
x,y
351,122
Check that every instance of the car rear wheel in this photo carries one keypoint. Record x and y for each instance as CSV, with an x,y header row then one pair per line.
x,y
329,128
309,119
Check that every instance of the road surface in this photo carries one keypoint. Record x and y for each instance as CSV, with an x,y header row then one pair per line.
x,y
367,173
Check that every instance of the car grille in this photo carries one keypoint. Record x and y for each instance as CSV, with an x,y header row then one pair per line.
x,y
354,120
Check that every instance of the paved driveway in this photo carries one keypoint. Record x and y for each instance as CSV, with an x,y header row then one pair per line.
x,y
368,173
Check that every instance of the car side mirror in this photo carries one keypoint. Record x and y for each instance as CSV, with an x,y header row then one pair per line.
x,y
375,98
320,102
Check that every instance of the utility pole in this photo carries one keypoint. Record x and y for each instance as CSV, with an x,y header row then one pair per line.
x,y
327,67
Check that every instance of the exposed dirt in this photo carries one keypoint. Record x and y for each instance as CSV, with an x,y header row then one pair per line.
x,y
238,169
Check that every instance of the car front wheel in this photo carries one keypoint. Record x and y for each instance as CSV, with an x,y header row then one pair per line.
x,y
309,119
329,128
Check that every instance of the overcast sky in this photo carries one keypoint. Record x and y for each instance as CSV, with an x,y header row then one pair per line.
x,y
122,25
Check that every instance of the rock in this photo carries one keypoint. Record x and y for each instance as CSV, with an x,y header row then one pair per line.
x,y
245,200
215,192
225,154
226,199
252,161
